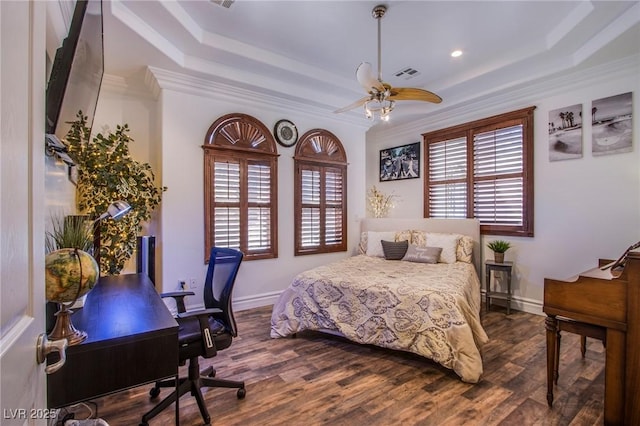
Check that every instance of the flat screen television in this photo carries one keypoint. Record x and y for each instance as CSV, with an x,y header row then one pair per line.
x,y
76,74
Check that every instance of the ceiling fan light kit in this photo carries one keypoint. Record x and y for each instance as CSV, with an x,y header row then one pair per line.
x,y
382,97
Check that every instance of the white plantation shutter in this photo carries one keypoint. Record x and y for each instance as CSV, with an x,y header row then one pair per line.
x,y
226,196
310,226
333,206
448,178
242,205
259,207
483,169
322,202
498,176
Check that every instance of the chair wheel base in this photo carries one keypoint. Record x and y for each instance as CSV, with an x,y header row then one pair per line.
x,y
241,393
154,392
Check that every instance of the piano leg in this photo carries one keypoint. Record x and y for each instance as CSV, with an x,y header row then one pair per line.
x,y
551,325
556,366
614,378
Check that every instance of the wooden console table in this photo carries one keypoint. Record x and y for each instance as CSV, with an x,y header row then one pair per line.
x,y
132,340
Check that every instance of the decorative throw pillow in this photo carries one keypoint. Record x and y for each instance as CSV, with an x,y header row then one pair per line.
x,y
374,247
419,238
448,242
362,247
422,254
464,251
394,250
403,235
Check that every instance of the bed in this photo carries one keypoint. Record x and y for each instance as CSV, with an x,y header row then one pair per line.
x,y
430,309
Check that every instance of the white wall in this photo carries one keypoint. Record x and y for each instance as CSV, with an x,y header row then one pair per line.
x,y
185,120
585,209
170,132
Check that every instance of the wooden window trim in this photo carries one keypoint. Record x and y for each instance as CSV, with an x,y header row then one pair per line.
x,y
310,155
468,130
233,138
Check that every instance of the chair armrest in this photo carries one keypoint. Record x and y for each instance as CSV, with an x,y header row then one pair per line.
x,y
204,312
178,296
203,319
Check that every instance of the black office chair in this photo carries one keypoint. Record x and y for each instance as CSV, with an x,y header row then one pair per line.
x,y
202,333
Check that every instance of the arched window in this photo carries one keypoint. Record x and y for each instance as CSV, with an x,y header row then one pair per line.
x,y
241,187
320,194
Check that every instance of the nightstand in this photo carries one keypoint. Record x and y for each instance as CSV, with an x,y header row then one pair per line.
x,y
504,268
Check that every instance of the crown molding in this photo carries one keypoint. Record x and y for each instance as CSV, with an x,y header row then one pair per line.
x,y
513,97
157,79
131,88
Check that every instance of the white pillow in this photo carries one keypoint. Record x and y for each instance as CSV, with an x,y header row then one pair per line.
x,y
374,246
448,242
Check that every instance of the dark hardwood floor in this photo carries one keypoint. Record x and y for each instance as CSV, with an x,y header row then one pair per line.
x,y
316,379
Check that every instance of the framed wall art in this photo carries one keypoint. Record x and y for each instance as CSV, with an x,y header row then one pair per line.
x,y
565,133
400,162
611,124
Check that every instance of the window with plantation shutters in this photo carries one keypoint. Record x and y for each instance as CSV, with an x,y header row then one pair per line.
x,y
320,194
498,176
240,189
447,174
483,170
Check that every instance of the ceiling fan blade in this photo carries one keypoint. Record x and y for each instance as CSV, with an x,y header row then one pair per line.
x,y
367,78
356,104
413,94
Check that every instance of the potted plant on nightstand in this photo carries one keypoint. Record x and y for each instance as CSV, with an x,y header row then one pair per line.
x,y
499,247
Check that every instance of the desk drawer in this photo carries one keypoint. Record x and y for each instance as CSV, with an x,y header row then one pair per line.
x,y
95,370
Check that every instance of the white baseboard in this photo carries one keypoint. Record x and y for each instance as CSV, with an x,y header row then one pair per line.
x,y
255,301
243,303
530,306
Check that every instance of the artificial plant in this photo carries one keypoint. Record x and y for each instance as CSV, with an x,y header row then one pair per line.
x,y
379,203
69,232
499,246
107,172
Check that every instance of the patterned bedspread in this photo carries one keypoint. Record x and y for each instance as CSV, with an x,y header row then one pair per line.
x,y
429,309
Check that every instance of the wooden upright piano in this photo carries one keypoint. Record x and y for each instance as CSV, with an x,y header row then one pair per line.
x,y
608,299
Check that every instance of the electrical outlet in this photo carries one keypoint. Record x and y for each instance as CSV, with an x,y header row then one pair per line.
x,y
182,284
193,283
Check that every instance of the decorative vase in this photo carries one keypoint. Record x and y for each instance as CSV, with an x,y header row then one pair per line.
x,y
498,257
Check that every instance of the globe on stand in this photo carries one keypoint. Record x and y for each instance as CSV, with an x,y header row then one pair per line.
x,y
70,273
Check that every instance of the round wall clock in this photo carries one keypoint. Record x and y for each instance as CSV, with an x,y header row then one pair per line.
x,y
286,133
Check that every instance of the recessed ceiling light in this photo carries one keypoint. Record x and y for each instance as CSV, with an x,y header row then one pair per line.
x,y
456,53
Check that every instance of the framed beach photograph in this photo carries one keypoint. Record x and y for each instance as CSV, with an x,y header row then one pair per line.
x,y
565,133
400,162
611,125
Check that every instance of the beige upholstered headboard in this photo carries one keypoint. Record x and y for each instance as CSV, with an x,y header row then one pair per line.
x,y
470,227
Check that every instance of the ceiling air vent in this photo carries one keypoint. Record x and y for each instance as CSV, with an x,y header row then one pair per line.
x,y
223,3
407,73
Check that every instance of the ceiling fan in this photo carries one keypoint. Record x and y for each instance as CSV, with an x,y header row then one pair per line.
x,y
382,96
